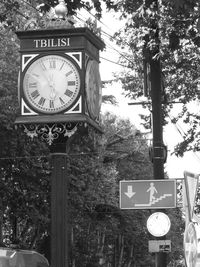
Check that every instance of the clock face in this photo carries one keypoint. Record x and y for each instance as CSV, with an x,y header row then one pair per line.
x,y
158,224
51,84
93,88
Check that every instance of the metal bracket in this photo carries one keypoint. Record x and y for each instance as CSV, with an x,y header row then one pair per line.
x,y
51,132
158,152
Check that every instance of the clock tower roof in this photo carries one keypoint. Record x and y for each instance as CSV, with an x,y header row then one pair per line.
x,y
71,32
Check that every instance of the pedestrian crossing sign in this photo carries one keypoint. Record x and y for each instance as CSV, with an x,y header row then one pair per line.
x,y
148,194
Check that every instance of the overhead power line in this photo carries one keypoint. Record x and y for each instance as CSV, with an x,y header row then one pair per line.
x,y
115,62
84,6
84,21
105,33
107,44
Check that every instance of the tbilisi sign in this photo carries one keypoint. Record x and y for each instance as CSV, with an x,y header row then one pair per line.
x,y
148,194
51,42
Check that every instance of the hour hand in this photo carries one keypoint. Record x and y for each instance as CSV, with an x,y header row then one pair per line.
x,y
52,91
39,79
52,95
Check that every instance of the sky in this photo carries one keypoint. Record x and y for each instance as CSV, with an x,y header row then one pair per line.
x,y
174,166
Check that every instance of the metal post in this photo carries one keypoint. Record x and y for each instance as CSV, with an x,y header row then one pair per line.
x,y
157,120
59,211
158,147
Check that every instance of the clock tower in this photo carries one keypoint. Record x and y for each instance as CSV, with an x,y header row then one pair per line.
x,y
59,81
59,94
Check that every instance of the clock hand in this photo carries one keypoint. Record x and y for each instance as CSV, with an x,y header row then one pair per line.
x,y
53,92
36,77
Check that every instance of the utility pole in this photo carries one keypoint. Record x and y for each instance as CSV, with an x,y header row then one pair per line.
x,y
157,119
158,146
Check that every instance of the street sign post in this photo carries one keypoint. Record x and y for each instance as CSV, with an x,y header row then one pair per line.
x,y
148,194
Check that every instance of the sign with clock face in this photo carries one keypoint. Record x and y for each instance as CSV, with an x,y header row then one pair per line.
x,y
59,79
158,224
51,84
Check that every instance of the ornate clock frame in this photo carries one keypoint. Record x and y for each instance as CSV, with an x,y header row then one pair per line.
x,y
80,46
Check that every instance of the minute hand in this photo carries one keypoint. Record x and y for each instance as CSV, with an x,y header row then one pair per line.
x,y
53,91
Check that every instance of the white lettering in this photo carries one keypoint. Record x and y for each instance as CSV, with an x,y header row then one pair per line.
x,y
63,42
53,44
49,42
68,44
59,42
43,43
36,43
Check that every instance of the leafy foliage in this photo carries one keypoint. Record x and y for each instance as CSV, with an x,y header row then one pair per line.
x,y
102,233
173,26
177,226
21,161
15,14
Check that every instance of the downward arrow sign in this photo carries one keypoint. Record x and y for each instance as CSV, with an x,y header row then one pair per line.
x,y
130,192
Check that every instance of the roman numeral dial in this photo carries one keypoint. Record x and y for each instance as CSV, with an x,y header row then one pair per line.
x,y
93,88
51,84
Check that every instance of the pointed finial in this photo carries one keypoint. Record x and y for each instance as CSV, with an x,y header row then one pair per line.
x,y
61,9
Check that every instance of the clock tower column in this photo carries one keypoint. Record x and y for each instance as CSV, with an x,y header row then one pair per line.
x,y
59,95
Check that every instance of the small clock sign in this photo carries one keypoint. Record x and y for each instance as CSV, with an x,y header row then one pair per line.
x,y
158,224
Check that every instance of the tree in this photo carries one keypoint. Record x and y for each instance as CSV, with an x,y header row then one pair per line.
x,y
177,34
101,232
128,147
15,14
24,164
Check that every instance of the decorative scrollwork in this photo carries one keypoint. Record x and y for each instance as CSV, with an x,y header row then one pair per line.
x,y
50,133
31,131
